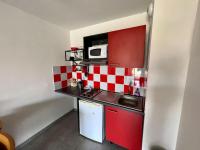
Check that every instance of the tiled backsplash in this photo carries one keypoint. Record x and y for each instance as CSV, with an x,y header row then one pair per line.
x,y
126,80
62,75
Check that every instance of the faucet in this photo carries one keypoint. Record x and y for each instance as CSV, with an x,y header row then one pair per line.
x,y
129,89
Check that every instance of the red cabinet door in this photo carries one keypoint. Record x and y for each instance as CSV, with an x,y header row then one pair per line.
x,y
112,119
126,47
124,128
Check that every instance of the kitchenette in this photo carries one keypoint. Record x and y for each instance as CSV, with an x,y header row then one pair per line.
x,y
108,79
99,75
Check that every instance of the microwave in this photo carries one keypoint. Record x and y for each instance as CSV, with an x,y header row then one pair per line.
x,y
98,51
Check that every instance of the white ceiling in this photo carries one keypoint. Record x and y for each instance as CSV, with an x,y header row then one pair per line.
x,y
72,14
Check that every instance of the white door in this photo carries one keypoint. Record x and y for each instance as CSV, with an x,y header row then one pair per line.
x,y
91,120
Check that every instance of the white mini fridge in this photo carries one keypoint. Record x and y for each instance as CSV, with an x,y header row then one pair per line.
x,y
91,119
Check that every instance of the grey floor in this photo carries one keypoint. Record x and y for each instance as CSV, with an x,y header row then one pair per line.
x,y
64,135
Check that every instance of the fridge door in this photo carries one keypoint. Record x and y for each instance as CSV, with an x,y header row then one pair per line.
x,y
91,120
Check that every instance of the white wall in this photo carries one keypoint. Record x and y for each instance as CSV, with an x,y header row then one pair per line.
x,y
169,58
76,36
29,47
189,133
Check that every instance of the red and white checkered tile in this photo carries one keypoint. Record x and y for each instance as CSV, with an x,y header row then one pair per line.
x,y
114,79
126,80
61,74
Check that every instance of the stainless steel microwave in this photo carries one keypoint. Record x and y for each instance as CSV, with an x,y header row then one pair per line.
x,y
98,51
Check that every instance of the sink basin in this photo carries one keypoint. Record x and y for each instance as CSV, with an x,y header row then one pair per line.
x,y
128,101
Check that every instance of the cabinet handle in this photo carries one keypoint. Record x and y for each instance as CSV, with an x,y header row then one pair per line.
x,y
112,110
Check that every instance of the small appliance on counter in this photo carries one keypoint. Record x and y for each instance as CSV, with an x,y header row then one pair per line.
x,y
73,82
80,85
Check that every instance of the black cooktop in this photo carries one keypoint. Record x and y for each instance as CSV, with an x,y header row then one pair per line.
x,y
90,93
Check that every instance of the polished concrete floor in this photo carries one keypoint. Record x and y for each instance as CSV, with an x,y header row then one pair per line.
x,y
64,135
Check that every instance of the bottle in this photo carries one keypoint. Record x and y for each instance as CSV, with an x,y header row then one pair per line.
x,y
80,85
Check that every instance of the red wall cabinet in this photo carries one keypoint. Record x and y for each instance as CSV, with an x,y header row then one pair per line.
x,y
127,47
124,128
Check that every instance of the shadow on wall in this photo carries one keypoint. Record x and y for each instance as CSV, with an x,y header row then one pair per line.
x,y
164,96
157,148
25,121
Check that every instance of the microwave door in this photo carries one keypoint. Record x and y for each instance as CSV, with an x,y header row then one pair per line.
x,y
95,53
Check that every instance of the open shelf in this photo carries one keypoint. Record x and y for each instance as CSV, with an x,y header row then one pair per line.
x,y
97,62
74,60
76,55
74,51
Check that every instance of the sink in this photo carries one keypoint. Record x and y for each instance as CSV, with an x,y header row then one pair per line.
x,y
129,101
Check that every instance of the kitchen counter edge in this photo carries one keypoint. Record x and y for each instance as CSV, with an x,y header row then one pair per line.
x,y
75,92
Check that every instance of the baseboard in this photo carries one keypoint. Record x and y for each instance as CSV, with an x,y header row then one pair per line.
x,y
43,130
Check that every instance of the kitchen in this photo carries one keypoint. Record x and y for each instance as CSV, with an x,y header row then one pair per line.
x,y
119,78
103,89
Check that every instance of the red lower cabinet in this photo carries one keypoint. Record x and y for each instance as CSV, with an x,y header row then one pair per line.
x,y
124,128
